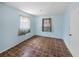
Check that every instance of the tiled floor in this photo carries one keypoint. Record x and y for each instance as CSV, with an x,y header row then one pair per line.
x,y
38,46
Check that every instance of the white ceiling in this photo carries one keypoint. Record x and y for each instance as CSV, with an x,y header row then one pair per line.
x,y
41,8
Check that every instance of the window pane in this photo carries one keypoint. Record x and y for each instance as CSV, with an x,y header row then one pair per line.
x,y
24,24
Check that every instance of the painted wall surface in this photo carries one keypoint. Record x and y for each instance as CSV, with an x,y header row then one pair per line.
x,y
72,21
57,26
74,29
1,27
67,29
9,24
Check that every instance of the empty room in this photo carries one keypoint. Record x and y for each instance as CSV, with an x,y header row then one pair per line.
x,y
39,29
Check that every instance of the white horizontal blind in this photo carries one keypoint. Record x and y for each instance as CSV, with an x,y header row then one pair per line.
x,y
24,23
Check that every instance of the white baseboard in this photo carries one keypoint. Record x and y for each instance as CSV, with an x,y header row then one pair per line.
x,y
52,36
25,39
15,44
68,46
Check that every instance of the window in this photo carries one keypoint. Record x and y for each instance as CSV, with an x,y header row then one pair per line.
x,y
46,25
24,25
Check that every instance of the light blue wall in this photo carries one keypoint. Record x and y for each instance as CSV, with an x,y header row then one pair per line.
x,y
9,24
72,42
66,26
67,29
1,28
57,26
